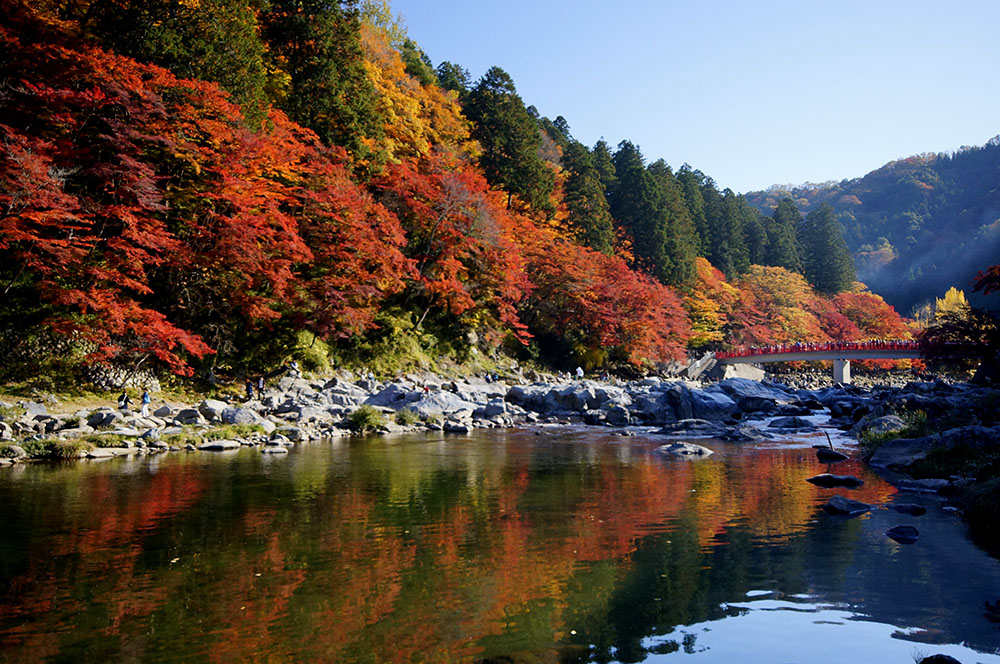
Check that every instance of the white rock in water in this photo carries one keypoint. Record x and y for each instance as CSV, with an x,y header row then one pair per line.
x,y
684,449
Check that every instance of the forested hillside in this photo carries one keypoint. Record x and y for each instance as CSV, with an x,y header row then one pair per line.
x,y
225,184
916,226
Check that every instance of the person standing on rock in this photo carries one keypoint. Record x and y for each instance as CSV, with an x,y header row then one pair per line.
x,y
145,402
249,389
124,402
579,373
260,387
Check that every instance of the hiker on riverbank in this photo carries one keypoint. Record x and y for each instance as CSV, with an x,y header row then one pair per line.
x,y
146,399
124,402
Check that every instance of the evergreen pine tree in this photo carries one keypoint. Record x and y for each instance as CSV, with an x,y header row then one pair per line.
x,y
510,140
782,248
826,261
318,45
584,197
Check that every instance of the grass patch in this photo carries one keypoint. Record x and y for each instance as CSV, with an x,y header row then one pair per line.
x,y
365,419
230,431
110,440
11,413
182,439
407,417
52,448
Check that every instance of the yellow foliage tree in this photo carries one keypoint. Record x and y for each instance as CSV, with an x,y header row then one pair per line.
x,y
417,117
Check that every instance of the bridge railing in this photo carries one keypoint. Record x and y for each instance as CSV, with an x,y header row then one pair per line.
x,y
820,347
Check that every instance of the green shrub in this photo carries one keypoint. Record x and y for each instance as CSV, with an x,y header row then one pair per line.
x,y
407,417
110,440
365,419
11,413
312,352
52,448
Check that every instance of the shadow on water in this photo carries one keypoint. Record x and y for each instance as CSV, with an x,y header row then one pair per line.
x,y
552,545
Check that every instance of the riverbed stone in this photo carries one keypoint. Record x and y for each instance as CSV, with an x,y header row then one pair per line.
x,y
693,428
6,432
840,505
13,452
99,453
827,455
936,485
274,449
829,480
189,416
791,423
212,409
219,445
684,449
903,534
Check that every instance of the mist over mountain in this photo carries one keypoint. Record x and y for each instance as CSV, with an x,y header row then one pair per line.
x,y
916,226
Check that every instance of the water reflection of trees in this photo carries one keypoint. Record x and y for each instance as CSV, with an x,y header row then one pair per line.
x,y
406,550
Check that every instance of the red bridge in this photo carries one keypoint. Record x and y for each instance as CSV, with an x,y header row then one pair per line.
x,y
841,352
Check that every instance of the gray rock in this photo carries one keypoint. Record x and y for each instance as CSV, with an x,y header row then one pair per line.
x,y
212,409
745,433
189,416
6,433
219,445
442,402
845,506
880,425
694,428
99,453
166,411
791,423
13,452
618,416
712,403
294,434
453,426
684,450
495,406
238,415
724,371
104,417
395,396
829,480
274,449
903,534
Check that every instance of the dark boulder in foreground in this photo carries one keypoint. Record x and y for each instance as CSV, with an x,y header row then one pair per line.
x,y
826,455
828,481
841,506
903,534
912,510
939,659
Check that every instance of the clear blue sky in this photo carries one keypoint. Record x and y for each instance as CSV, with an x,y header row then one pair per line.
x,y
751,93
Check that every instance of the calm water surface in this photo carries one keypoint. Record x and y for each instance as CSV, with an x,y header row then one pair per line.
x,y
513,546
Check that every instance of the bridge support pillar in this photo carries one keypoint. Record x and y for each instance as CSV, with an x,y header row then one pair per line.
x,y
842,371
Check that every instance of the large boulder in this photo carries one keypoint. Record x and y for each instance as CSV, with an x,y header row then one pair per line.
x,y
791,424
12,452
189,416
237,415
713,403
440,403
212,409
744,387
394,395
829,480
6,432
899,453
219,446
104,417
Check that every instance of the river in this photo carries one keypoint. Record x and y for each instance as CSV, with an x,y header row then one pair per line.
x,y
541,545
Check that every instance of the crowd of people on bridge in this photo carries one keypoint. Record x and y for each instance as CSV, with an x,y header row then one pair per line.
x,y
820,347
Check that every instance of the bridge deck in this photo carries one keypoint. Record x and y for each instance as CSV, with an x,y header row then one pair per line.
x,y
817,355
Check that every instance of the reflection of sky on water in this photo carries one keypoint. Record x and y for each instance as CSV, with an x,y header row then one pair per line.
x,y
806,632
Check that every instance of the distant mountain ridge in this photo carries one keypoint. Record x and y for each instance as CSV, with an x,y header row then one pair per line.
x,y
916,226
